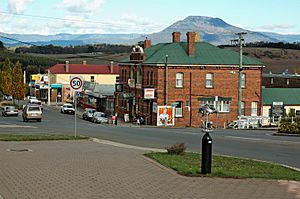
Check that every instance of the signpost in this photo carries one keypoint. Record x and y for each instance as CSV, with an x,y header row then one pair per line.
x,y
76,83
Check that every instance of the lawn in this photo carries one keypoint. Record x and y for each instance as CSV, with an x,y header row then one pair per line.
x,y
189,164
38,137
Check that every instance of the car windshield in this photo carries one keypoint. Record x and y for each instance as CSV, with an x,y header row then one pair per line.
x,y
99,114
91,110
34,108
68,106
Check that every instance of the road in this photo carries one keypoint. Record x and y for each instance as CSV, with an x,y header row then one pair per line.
x,y
255,144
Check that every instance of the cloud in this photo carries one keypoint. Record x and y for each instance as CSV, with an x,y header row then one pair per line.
x,y
279,28
81,6
17,6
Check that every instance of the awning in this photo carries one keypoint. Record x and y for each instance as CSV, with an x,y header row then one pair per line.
x,y
55,86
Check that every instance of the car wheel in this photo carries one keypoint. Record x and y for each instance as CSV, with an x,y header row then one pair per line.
x,y
61,111
39,120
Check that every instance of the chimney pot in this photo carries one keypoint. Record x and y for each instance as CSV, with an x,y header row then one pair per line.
x,y
67,66
176,36
191,43
111,67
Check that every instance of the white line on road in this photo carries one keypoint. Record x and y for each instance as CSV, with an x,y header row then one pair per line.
x,y
259,139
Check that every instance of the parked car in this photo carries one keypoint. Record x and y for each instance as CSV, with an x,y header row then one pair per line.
x,y
99,117
67,108
7,98
88,114
10,111
32,112
36,102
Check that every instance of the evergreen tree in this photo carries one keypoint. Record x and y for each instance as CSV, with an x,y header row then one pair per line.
x,y
18,86
6,78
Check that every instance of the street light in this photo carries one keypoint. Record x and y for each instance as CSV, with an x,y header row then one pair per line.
x,y
240,40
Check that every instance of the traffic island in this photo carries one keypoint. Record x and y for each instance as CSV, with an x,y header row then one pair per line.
x,y
188,164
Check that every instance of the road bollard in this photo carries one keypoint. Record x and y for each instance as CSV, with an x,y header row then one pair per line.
x,y
206,154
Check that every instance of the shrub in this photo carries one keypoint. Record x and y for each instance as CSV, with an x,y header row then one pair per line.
x,y
177,148
287,127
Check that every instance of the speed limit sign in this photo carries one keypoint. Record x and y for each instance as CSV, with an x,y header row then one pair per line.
x,y
76,83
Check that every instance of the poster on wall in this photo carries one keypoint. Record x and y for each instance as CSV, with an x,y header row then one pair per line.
x,y
165,116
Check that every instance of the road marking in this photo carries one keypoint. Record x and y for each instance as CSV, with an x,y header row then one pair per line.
x,y
259,139
245,138
16,126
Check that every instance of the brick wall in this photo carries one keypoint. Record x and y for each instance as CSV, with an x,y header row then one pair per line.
x,y
225,84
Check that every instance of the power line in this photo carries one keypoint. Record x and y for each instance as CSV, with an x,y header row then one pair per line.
x,y
62,19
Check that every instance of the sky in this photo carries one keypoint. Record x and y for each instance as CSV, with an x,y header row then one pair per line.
x,y
48,17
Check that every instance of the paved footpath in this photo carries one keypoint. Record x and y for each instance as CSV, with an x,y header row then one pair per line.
x,y
85,169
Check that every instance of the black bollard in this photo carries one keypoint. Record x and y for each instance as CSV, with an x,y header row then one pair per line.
x,y
206,154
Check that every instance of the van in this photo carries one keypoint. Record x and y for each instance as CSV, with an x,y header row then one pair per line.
x,y
32,112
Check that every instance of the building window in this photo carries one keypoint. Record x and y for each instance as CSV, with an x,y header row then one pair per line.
x,y
152,78
117,79
220,106
179,80
242,107
178,109
243,80
254,108
287,81
92,78
139,76
272,80
125,75
209,80
148,77
131,73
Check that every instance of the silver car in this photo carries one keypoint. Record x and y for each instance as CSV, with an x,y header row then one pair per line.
x,y
10,111
32,112
99,117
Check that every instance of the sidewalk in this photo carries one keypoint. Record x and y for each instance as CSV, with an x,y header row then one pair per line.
x,y
85,169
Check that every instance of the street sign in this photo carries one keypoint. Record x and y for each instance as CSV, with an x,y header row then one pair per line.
x,y
76,83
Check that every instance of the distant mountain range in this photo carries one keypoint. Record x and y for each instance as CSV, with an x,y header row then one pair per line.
x,y
212,30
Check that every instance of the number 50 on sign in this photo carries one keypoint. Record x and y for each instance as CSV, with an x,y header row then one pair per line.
x,y
76,83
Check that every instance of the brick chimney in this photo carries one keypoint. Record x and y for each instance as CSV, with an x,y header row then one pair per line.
x,y
190,43
147,43
176,36
67,66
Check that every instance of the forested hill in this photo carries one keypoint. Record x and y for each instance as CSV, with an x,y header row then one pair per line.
x,y
50,49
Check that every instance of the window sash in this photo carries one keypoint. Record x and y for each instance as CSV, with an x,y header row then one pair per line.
x,y
254,107
179,79
209,80
221,106
178,109
243,80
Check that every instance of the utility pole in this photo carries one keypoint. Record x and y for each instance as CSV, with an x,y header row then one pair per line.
x,y
166,98
49,89
241,40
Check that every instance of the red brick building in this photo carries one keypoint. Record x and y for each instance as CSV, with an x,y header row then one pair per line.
x,y
187,75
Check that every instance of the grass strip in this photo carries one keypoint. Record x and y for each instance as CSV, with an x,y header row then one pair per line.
x,y
189,164
39,137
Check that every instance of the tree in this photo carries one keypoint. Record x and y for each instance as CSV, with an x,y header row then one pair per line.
x,y
6,78
18,88
1,45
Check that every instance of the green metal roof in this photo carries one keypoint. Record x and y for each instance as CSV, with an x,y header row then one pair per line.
x,y
289,96
205,54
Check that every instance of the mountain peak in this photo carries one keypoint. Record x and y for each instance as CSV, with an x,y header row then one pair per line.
x,y
207,20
